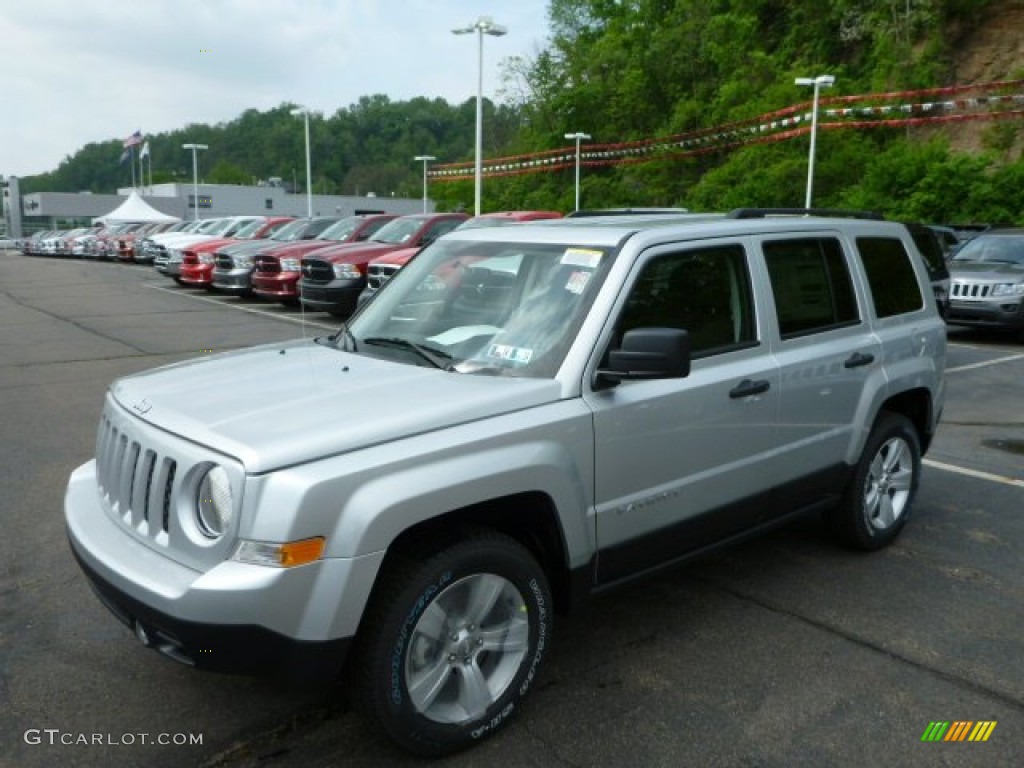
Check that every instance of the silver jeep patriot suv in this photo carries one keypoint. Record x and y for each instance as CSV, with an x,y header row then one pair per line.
x,y
523,418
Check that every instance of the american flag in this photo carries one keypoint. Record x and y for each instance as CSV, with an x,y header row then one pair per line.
x,y
133,140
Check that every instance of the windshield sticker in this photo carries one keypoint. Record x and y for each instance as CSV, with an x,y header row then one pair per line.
x,y
581,257
577,282
463,333
512,354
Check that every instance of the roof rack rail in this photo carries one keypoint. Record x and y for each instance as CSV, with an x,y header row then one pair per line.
x,y
587,212
760,213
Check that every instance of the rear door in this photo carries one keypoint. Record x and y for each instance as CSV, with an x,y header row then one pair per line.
x,y
827,353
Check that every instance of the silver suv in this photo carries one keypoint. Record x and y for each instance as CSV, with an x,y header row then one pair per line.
x,y
523,418
987,282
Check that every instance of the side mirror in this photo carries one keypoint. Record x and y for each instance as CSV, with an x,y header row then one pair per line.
x,y
648,353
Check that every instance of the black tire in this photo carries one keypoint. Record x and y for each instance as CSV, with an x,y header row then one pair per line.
x,y
452,643
878,501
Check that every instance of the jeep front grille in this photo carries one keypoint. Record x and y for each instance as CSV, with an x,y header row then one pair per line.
x,y
378,274
135,481
960,290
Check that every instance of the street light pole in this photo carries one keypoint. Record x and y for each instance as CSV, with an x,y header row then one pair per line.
x,y
578,137
826,81
309,166
195,176
424,159
484,25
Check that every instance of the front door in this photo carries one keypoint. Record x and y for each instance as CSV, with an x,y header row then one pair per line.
x,y
681,463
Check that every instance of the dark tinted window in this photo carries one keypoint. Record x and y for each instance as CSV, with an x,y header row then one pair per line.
x,y
930,246
891,276
812,286
705,292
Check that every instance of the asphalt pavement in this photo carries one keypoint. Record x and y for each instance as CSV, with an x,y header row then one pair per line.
x,y
785,651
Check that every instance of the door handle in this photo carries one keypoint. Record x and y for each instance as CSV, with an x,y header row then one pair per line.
x,y
748,387
858,359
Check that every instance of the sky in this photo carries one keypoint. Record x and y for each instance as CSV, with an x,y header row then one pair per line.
x,y
73,72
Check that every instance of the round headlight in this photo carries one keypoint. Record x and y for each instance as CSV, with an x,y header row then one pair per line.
x,y
214,503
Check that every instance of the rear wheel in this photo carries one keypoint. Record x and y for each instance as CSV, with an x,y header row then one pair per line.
x,y
878,500
453,642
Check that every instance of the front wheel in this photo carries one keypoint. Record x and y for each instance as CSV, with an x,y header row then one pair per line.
x,y
453,642
877,502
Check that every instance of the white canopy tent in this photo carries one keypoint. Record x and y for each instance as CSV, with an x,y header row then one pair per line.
x,y
133,209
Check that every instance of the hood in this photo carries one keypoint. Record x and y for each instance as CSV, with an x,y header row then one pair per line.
x,y
987,270
215,243
283,404
249,246
399,257
183,241
302,247
357,252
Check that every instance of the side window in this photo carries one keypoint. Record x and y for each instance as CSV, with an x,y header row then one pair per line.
x,y
812,286
894,285
705,292
440,228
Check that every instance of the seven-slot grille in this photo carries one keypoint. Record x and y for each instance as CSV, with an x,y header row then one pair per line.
x,y
961,290
135,481
223,261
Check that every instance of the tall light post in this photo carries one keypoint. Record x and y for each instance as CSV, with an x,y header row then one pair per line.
x,y
578,137
424,159
484,25
195,176
819,82
309,166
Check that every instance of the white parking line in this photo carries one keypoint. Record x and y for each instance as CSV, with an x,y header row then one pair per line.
x,y
252,310
1012,481
985,363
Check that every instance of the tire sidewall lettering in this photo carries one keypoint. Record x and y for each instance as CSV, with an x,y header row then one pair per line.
x,y
395,667
542,635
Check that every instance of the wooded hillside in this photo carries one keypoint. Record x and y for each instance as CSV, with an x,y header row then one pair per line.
x,y
643,78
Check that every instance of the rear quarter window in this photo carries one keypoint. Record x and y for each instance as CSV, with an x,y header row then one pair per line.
x,y
891,277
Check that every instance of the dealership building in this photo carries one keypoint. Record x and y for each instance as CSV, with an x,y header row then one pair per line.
x,y
63,210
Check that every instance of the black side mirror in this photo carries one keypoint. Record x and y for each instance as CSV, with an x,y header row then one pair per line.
x,y
648,353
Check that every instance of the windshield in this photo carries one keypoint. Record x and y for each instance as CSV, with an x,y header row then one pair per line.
x,y
341,230
507,309
1001,249
397,231
212,226
290,231
249,229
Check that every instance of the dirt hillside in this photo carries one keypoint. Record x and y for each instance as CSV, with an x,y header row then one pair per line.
x,y
992,51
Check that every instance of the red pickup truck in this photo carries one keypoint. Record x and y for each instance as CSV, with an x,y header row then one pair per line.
x,y
198,259
332,278
276,273
380,269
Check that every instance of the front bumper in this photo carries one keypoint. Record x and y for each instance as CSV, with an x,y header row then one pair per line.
x,y
336,297
235,617
1008,314
277,285
237,281
201,274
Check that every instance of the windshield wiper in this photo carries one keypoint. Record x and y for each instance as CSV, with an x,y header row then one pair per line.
x,y
436,357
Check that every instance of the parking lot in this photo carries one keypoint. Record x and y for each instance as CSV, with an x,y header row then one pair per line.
x,y
786,651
